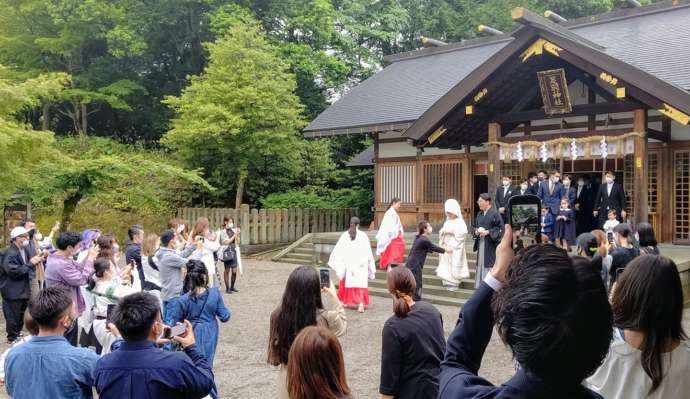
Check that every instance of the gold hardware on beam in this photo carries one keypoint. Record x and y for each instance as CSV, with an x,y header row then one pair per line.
x,y
620,92
469,110
436,134
675,114
480,95
538,48
608,78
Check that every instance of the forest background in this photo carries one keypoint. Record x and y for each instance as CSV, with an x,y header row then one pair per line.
x,y
120,111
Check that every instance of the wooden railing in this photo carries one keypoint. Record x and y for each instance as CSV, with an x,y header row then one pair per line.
x,y
273,226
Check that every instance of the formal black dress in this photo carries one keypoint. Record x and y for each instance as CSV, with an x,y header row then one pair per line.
x,y
415,261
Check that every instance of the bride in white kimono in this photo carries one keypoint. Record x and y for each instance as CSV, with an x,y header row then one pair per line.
x,y
354,264
452,265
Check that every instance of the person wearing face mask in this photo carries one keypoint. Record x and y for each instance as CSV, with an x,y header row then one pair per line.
x,y
524,188
18,269
533,183
47,366
421,246
229,236
569,191
610,195
63,271
503,194
584,205
550,193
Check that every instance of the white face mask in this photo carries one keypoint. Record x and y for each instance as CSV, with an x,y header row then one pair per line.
x,y
580,183
566,182
180,228
523,186
25,243
609,180
231,225
555,179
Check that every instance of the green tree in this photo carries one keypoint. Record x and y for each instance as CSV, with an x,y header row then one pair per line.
x,y
240,115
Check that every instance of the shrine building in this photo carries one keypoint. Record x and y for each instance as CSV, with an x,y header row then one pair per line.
x,y
606,92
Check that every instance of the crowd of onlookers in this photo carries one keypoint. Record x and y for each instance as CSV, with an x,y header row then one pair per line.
x,y
75,291
605,322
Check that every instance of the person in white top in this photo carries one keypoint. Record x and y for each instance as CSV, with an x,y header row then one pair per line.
x,y
650,354
390,244
452,265
211,244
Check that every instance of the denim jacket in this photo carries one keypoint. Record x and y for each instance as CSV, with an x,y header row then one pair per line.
x,y
49,367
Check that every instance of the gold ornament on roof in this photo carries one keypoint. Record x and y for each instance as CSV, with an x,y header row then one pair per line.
x,y
675,114
538,48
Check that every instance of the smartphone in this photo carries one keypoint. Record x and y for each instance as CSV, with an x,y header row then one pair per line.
x,y
524,215
174,331
609,237
325,276
109,314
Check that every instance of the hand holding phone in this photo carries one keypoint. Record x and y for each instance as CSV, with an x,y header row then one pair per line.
x,y
325,276
174,331
524,216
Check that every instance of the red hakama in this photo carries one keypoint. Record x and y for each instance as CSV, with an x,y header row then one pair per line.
x,y
394,252
352,296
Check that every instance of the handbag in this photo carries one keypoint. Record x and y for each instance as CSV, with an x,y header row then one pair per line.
x,y
229,254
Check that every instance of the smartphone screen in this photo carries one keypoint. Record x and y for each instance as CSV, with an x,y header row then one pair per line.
x,y
325,276
525,219
108,314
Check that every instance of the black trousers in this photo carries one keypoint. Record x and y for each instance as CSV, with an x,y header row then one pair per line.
x,y
13,310
419,278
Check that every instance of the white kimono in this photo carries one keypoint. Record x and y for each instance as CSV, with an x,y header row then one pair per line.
x,y
453,267
390,229
353,260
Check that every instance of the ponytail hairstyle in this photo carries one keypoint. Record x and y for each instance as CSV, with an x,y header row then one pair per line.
x,y
100,267
197,276
354,222
401,285
394,201
421,227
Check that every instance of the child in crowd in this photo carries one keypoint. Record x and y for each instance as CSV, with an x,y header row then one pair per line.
x,y
547,223
565,225
611,222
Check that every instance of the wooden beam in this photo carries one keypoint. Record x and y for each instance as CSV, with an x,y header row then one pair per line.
x,y
591,83
494,166
641,209
526,99
659,135
585,125
546,137
591,119
578,110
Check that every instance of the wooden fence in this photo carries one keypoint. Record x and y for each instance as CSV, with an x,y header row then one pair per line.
x,y
273,226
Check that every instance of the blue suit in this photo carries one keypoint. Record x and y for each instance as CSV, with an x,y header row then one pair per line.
x,y
466,345
552,199
548,227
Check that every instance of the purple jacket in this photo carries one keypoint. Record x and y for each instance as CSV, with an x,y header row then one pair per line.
x,y
68,273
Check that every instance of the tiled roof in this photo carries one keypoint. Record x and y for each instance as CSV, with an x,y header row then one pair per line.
x,y
653,39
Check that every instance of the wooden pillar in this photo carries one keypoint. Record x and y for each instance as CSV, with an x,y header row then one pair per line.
x,y
591,119
641,210
494,166
377,181
419,183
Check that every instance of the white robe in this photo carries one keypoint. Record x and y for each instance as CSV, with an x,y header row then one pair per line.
x,y
390,229
453,267
353,260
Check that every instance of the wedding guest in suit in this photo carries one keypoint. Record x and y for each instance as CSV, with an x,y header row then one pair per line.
x,y
550,192
503,194
610,196
533,183
524,188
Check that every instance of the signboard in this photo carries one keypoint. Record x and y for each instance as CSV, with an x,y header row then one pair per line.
x,y
554,91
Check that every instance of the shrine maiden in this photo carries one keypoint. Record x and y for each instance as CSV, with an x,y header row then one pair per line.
x,y
452,265
353,262
390,244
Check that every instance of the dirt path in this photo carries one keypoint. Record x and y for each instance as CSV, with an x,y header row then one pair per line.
x,y
240,367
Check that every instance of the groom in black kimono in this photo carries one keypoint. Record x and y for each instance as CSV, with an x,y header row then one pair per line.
x,y
488,230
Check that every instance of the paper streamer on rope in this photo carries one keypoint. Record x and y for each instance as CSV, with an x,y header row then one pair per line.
x,y
518,152
543,153
604,147
573,149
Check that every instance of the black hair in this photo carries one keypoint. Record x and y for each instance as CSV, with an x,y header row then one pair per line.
x,y
609,172
649,298
588,243
554,171
134,230
611,211
68,239
135,314
542,171
49,305
421,227
100,266
485,197
623,229
506,176
301,301
531,175
197,276
354,222
166,237
646,236
554,314
394,201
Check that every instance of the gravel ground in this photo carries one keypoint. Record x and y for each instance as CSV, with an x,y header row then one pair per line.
x,y
240,367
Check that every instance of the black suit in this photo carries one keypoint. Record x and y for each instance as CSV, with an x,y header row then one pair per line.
x,y
501,200
15,276
603,202
464,351
585,205
533,188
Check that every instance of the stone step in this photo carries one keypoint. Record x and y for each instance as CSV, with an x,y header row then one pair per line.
x,y
303,251
291,259
435,290
427,271
435,299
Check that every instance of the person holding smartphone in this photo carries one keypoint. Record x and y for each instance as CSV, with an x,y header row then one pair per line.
x,y
624,250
